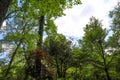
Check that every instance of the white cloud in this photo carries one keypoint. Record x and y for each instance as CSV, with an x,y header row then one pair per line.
x,y
4,24
8,48
76,18
3,27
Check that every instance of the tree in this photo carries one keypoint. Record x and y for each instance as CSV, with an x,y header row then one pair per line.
x,y
114,40
114,14
31,15
94,44
79,63
115,25
59,49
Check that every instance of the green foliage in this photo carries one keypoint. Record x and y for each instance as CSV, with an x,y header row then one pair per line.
x,y
22,31
59,49
94,58
53,8
94,31
94,45
115,15
51,28
113,41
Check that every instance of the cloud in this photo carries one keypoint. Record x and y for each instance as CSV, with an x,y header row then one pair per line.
x,y
3,24
76,18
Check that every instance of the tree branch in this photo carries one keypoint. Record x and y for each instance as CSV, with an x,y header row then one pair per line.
x,y
14,53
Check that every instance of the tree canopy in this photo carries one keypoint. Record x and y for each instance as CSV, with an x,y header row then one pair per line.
x,y
32,49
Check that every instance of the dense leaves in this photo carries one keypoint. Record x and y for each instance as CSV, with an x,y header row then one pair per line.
x,y
31,48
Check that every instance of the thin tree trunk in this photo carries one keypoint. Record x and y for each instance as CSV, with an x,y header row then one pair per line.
x,y
107,74
15,52
105,64
39,45
13,55
40,32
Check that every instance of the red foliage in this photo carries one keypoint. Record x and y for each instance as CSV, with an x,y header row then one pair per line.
x,y
39,54
35,66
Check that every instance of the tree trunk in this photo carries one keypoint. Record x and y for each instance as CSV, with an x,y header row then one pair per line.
x,y
107,74
4,4
40,32
39,44
105,64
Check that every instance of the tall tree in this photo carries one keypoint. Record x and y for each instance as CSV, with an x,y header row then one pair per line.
x,y
114,40
35,15
45,9
94,44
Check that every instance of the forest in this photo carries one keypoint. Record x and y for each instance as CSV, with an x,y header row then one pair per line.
x,y
32,49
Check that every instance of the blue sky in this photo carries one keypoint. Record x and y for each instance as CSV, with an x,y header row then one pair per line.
x,y
76,18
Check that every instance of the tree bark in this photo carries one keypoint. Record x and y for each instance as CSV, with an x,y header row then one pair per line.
x,y
107,74
40,32
4,4
39,45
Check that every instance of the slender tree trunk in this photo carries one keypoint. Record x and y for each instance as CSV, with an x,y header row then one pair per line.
x,y
40,32
105,64
64,72
12,58
4,4
107,74
39,44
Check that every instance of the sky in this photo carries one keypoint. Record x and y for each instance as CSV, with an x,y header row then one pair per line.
x,y
72,24
76,18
